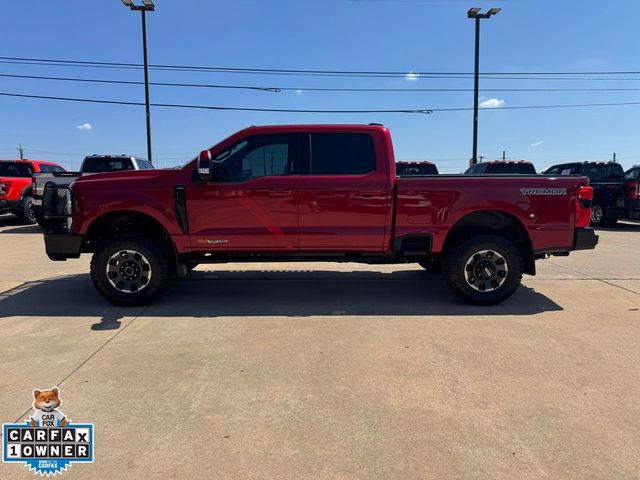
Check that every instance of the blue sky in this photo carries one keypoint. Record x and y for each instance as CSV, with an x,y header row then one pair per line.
x,y
395,35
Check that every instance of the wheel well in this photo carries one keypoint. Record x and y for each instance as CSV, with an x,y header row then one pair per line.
x,y
26,192
496,223
126,222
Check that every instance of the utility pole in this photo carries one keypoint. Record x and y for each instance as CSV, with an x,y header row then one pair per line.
x,y
21,152
147,6
477,16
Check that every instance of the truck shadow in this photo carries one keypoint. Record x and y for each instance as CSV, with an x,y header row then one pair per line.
x,y
267,293
9,220
622,227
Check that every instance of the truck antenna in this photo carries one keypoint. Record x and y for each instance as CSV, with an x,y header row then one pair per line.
x,y
21,152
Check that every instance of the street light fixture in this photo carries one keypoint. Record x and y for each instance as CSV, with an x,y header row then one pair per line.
x,y
147,6
475,14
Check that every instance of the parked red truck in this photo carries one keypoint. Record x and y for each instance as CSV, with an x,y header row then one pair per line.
x,y
313,193
16,194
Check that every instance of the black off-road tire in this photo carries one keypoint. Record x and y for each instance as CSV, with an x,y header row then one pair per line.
x,y
456,276
26,215
152,256
43,222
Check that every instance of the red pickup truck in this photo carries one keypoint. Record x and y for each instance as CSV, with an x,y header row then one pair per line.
x,y
16,194
313,193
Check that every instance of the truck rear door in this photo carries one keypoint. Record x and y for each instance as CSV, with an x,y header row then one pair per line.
x,y
345,192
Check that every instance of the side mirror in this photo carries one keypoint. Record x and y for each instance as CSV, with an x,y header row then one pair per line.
x,y
204,166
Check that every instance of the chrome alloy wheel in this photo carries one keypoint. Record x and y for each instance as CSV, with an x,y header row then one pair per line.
x,y
486,270
128,271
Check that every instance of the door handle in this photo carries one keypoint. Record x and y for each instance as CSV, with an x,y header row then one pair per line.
x,y
369,193
280,193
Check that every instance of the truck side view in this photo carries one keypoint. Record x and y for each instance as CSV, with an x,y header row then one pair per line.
x,y
313,193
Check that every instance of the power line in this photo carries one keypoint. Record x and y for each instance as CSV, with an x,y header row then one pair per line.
x,y
212,107
317,72
311,89
291,110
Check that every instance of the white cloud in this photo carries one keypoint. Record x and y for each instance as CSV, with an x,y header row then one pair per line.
x,y
299,92
84,126
537,144
492,103
412,77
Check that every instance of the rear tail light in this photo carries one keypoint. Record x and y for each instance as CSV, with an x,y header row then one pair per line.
x,y
633,190
583,206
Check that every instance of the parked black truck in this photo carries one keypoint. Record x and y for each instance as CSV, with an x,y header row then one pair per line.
x,y
614,196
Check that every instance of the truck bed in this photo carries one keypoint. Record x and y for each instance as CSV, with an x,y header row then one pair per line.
x,y
544,204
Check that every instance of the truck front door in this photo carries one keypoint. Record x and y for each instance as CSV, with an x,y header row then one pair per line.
x,y
250,204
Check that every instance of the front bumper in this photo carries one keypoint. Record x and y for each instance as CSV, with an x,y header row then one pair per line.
x,y
60,247
585,239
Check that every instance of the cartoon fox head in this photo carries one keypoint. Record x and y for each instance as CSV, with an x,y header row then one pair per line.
x,y
46,400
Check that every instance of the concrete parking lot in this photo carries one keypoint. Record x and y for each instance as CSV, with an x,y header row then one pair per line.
x,y
333,370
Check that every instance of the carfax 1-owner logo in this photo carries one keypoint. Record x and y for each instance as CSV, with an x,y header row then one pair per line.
x,y
48,442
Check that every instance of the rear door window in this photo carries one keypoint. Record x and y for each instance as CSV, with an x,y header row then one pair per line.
x,y
15,169
341,154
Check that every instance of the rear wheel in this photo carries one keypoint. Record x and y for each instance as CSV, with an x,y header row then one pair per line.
x,y
597,215
27,214
129,270
484,270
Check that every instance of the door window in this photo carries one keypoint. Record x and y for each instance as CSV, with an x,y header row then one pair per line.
x,y
255,157
341,154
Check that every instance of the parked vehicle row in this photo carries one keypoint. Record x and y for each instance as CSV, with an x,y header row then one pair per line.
x,y
616,193
615,197
313,193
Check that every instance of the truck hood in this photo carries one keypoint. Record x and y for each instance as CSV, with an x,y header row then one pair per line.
x,y
142,177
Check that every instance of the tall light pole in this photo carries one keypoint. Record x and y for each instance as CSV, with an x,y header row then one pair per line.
x,y
475,14
147,6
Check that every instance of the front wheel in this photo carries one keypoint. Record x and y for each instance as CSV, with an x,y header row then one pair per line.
x,y
26,214
484,270
129,270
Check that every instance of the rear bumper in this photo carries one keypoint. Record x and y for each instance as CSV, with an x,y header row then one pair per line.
x,y
61,247
585,239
